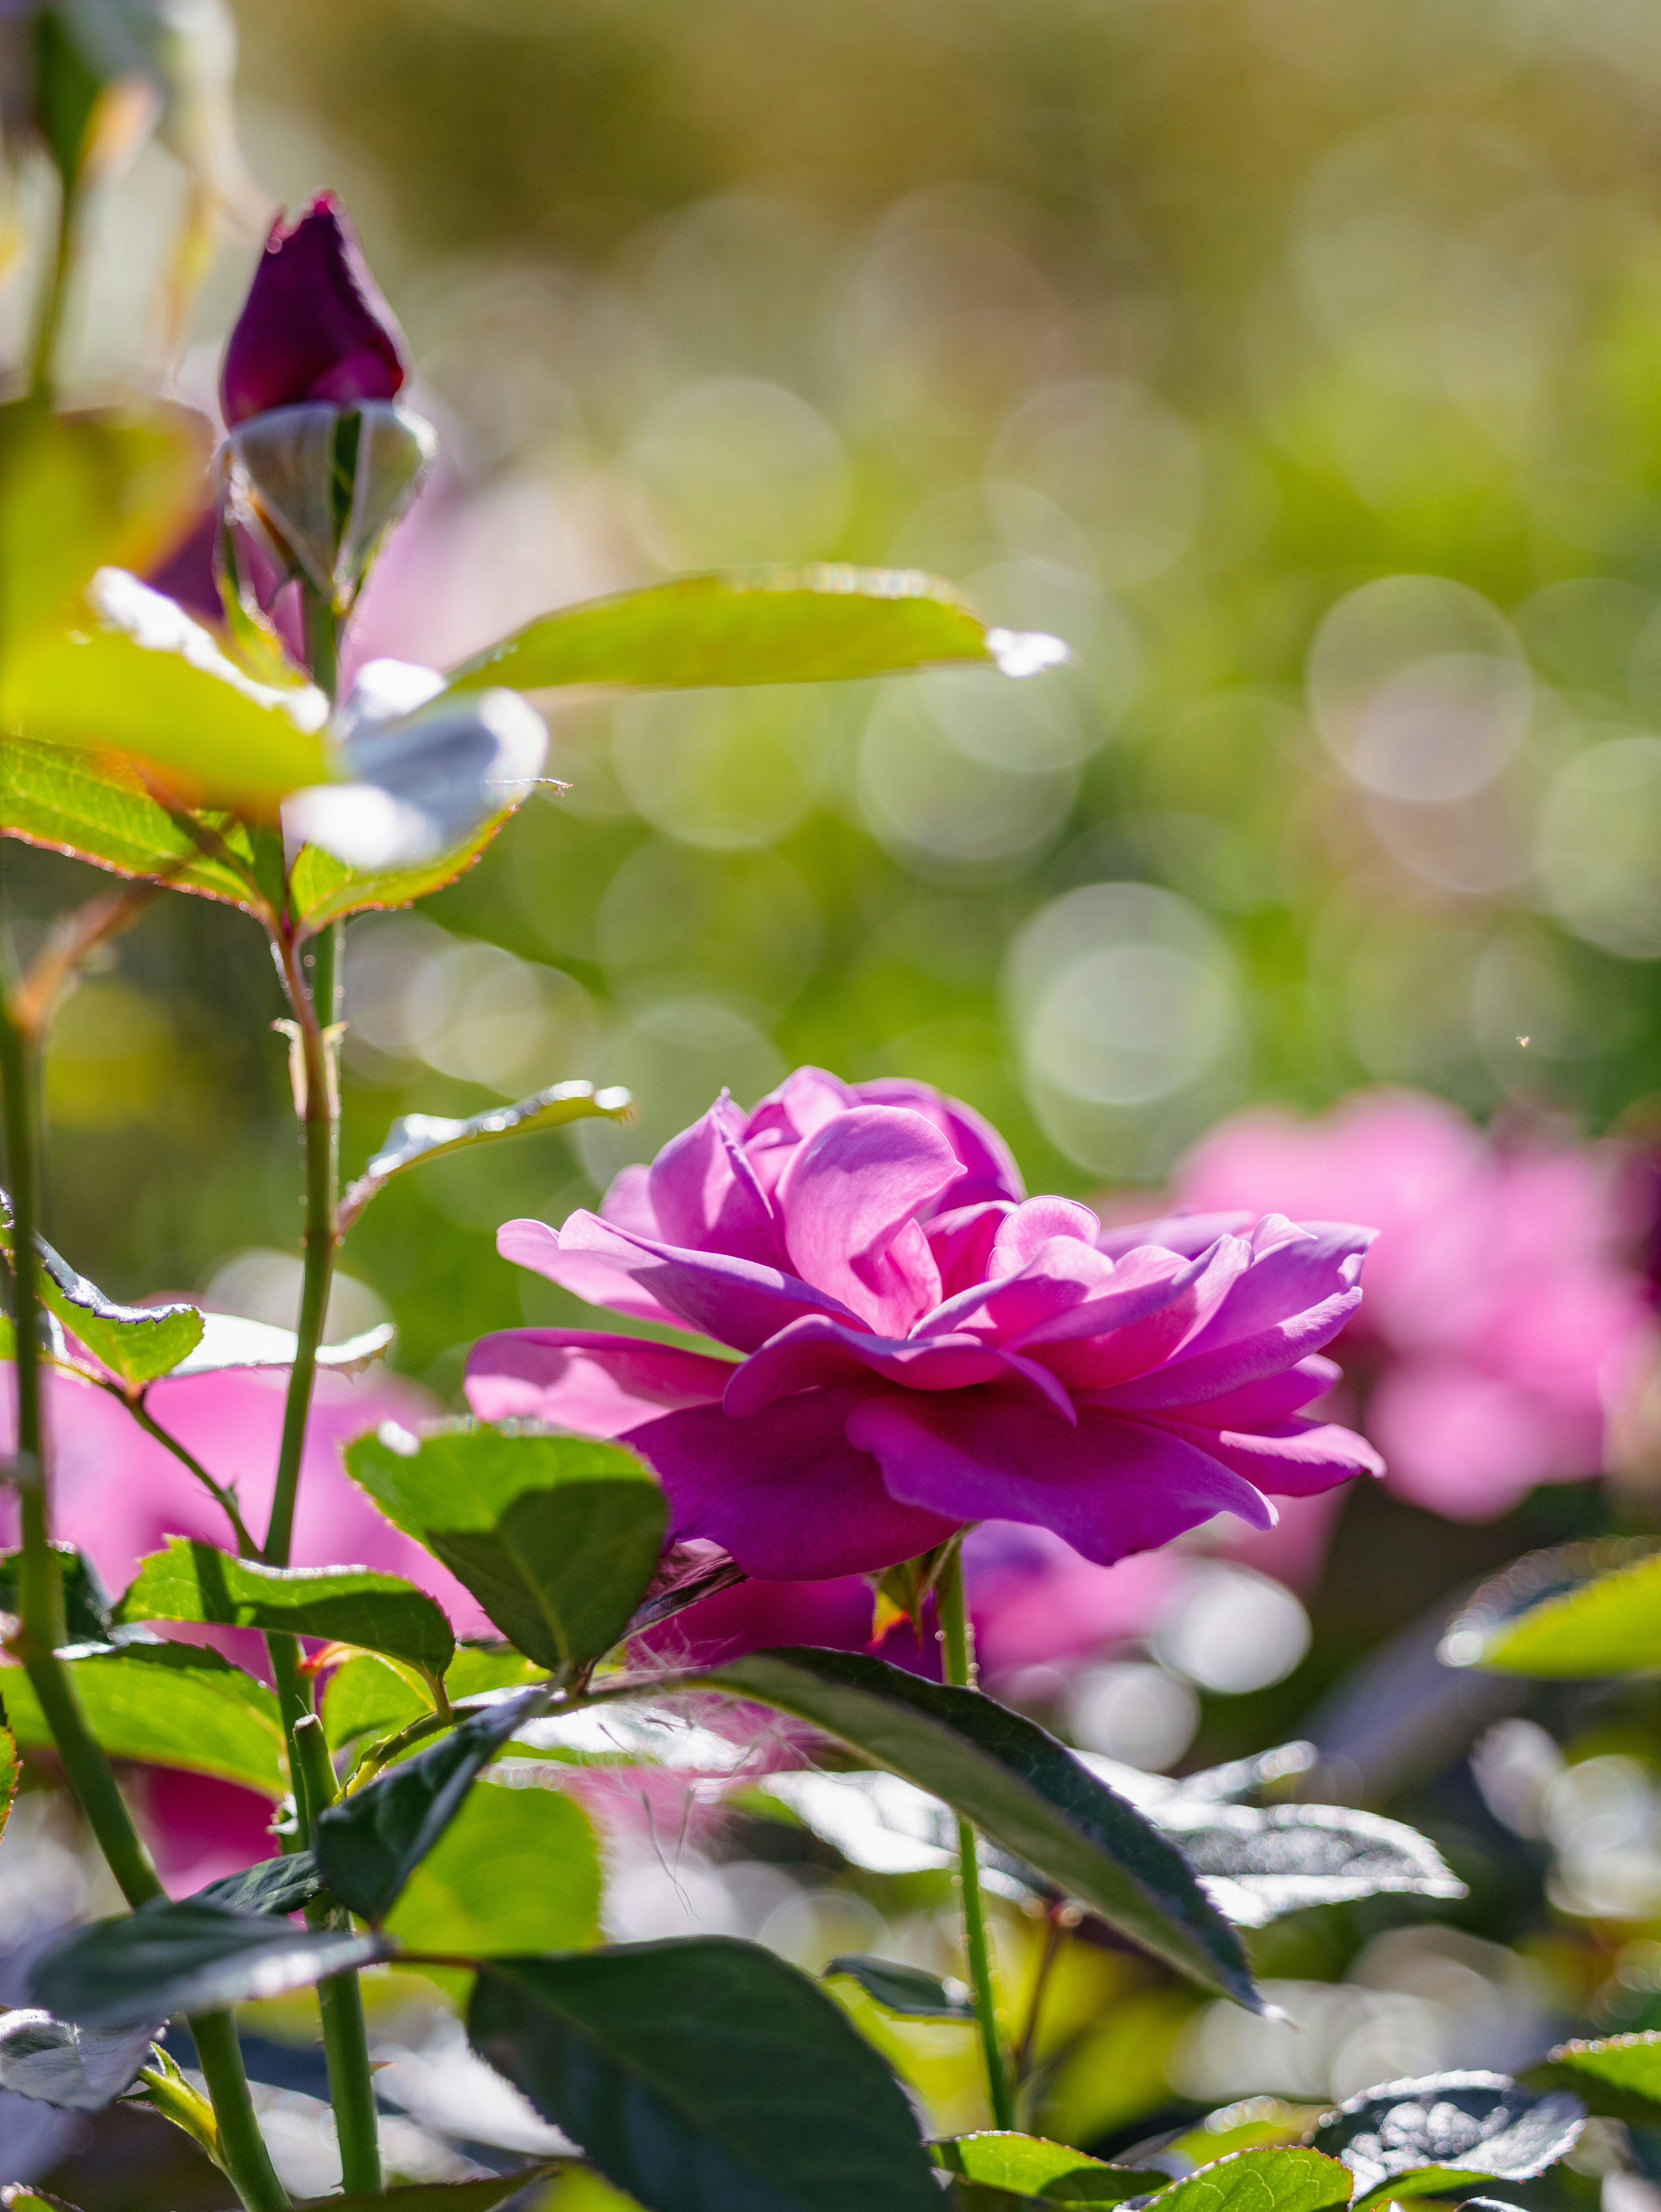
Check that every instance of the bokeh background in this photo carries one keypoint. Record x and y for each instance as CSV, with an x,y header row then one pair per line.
x,y
1300,365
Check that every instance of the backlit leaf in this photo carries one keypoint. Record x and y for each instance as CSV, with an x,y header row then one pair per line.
x,y
516,1870
95,807
369,1843
324,888
168,1705
701,2074
136,1343
556,1536
1026,1791
1030,2165
1425,2136
416,1137
188,1956
11,1774
1261,2181
481,2195
194,1581
80,492
907,1991
1619,2077
753,626
1256,1863
371,1696
1555,1613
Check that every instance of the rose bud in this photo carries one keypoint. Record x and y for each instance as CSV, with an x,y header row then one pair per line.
x,y
314,325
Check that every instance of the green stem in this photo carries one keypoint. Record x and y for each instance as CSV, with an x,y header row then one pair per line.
x,y
340,1998
322,639
51,325
960,1670
41,1630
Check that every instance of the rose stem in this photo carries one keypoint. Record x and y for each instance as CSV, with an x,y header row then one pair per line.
x,y
958,1642
340,1999
247,2162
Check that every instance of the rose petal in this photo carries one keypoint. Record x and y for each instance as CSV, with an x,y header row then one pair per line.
x,y
847,1201
578,1379
785,1492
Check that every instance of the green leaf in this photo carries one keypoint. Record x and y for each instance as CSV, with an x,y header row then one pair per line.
x,y
1619,2077
1397,2141
702,2074
1256,1863
479,2196
168,1705
136,1343
280,1886
1553,1614
478,1667
79,492
516,1870
556,1536
1261,2181
10,1771
86,1601
137,675
324,888
372,1696
230,1340
745,626
1026,1791
904,1990
194,1581
416,1137
20,2198
368,1844
96,808
188,1956
1028,2166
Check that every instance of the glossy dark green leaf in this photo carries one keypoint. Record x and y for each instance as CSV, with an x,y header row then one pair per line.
x,y
481,2195
908,1991
370,1843
556,1536
1618,2076
414,1137
87,1604
188,1956
1026,1791
1261,2181
323,889
1030,2165
193,1581
517,1870
704,2076
1425,2136
279,1885
1555,1613
1256,1863
749,626
168,1705
97,808
136,1343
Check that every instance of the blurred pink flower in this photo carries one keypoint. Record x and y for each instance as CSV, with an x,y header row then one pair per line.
x,y
117,1494
924,1348
1501,1324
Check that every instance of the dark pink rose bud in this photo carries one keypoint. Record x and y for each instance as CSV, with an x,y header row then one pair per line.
x,y
315,326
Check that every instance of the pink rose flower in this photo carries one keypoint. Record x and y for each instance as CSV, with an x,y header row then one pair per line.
x,y
921,1346
1501,1324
